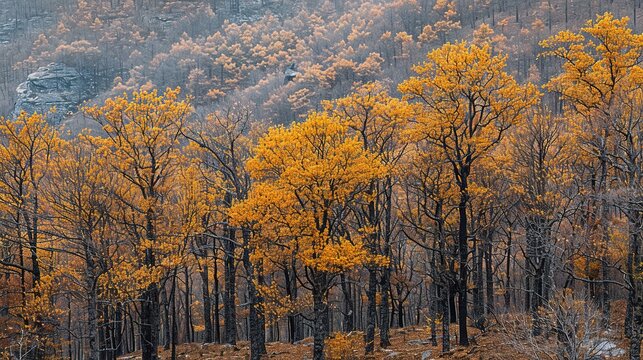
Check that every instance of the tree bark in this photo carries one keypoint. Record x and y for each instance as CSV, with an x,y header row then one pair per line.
x,y
463,252
320,308
635,296
207,303
92,322
385,283
488,253
446,319
150,309
478,299
371,311
257,321
348,313
295,323
229,296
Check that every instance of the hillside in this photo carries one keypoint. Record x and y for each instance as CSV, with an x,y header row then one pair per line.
x,y
219,55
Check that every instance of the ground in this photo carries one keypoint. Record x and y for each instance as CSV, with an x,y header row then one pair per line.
x,y
406,344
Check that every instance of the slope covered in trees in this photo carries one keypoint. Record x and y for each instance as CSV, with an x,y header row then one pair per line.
x,y
412,173
218,50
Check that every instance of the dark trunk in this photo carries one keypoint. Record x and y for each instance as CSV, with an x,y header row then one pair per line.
x,y
92,303
371,311
217,322
508,271
257,321
320,306
538,267
385,316
207,303
295,321
478,299
150,322
488,254
635,297
446,319
229,296
150,309
174,326
463,252
385,284
92,323
188,306
400,310
348,313
165,302
434,304
453,318
118,330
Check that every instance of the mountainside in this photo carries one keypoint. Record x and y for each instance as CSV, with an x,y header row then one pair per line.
x,y
219,53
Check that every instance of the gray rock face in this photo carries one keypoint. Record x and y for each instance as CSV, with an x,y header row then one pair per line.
x,y
54,85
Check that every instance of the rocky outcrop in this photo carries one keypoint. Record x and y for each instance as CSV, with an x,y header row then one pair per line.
x,y
53,86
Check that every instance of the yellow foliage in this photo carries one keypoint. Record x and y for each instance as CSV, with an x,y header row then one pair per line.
x,y
341,346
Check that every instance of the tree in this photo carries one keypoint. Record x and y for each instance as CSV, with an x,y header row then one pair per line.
x,y
78,195
602,83
467,103
223,145
142,143
28,147
426,205
540,158
307,177
378,120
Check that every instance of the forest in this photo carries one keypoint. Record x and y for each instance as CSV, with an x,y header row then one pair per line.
x,y
364,179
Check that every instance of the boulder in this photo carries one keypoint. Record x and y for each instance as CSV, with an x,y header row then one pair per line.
x,y
606,348
53,86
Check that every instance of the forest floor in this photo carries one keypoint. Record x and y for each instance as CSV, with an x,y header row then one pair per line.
x,y
406,344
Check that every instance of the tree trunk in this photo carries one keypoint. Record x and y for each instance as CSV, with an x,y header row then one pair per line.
x,y
167,335
229,296
257,321
320,306
508,271
371,311
207,303
93,351
385,315
635,296
174,325
348,313
150,311
295,322
188,307
150,308
150,322
385,284
118,330
463,252
217,322
434,301
446,319
478,299
488,253
453,318
538,267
